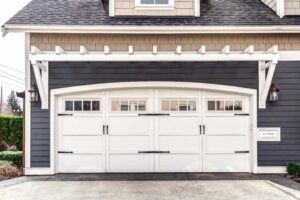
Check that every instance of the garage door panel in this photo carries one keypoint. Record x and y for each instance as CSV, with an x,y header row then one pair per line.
x,y
129,125
83,144
225,144
83,125
179,162
189,144
81,163
131,163
226,163
129,143
178,125
226,125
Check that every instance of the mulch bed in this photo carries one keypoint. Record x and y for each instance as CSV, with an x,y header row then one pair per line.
x,y
8,172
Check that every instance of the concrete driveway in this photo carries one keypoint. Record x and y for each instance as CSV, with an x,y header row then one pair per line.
x,y
148,190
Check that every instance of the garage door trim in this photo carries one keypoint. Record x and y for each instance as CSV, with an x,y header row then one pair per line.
x,y
252,93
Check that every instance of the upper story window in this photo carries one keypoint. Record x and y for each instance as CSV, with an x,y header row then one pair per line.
x,y
154,4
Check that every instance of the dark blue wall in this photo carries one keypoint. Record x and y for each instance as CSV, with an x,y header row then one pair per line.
x,y
284,114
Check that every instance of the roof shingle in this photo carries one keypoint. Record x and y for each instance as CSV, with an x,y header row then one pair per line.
x,y
94,12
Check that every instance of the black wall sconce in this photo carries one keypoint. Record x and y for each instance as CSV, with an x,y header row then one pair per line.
x,y
34,93
273,93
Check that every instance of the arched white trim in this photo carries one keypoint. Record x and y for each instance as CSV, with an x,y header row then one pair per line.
x,y
252,93
153,84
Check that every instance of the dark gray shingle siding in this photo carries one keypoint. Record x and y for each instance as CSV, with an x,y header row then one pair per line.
x,y
285,113
93,12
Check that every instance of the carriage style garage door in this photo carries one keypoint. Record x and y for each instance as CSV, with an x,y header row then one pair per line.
x,y
153,130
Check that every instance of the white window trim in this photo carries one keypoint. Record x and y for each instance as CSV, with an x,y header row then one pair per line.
x,y
111,8
140,6
280,8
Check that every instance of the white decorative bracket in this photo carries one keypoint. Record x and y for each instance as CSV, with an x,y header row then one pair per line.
x,y
267,61
130,50
41,73
265,80
83,50
178,50
154,50
106,50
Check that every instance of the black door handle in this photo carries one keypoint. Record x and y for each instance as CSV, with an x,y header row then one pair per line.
x,y
200,127
63,114
103,129
147,152
242,152
204,128
241,114
154,114
107,130
65,152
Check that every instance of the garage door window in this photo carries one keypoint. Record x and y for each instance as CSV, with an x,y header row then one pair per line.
x,y
128,105
225,105
178,105
82,105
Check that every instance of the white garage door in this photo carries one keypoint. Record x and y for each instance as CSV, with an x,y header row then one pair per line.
x,y
153,130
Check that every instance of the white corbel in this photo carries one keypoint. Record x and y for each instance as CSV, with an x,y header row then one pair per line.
x,y
265,80
249,49
202,49
154,51
130,50
106,50
59,50
35,50
273,50
83,50
41,74
178,50
226,50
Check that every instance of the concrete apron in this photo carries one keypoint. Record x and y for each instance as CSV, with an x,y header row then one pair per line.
x,y
148,190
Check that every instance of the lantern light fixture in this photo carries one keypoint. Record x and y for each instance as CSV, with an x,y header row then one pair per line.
x,y
34,93
273,93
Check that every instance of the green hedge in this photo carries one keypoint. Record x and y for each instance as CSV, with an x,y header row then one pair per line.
x,y
11,130
5,163
293,168
12,156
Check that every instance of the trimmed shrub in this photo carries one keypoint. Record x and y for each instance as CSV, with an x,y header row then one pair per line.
x,y
5,163
12,156
7,172
293,168
11,130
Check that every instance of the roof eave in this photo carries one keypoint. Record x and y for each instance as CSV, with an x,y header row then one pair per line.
x,y
116,29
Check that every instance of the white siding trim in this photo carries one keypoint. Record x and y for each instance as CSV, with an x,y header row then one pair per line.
x,y
270,170
151,29
111,8
38,171
197,8
27,102
156,84
280,8
148,56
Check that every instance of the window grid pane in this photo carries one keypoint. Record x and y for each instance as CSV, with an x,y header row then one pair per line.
x,y
82,105
224,105
179,105
154,2
69,105
128,105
